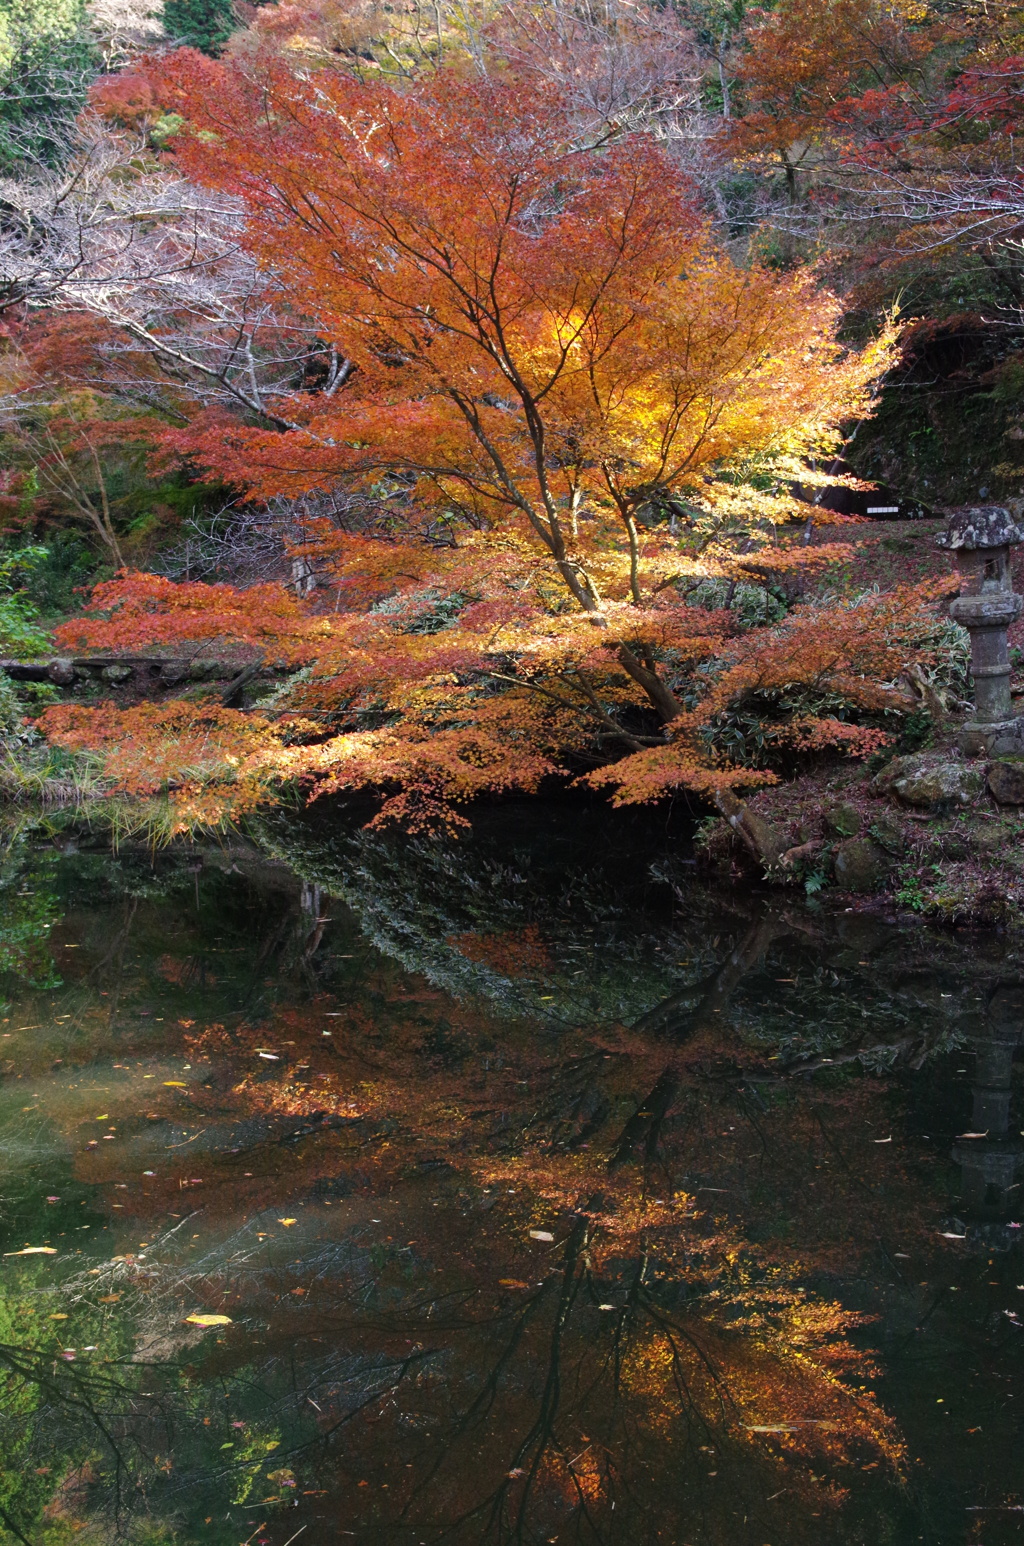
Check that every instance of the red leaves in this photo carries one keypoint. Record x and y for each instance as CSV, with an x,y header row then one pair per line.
x,y
144,610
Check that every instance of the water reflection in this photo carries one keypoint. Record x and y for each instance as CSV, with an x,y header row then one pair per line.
x,y
991,1154
538,1193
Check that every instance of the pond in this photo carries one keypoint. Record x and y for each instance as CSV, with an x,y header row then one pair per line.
x,y
515,1189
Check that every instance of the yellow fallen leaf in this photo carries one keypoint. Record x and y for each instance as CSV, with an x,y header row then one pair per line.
x,y
34,1250
58,1317
103,1116
541,1234
208,1320
287,1221
176,1084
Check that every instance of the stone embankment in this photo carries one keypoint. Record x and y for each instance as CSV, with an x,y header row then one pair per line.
x,y
935,832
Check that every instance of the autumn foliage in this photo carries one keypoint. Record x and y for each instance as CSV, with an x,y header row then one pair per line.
x,y
576,409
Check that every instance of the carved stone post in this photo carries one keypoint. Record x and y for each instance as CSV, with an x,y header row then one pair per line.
x,y
980,538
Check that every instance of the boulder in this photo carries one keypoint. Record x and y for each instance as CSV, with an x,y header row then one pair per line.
x,y
986,841
940,786
842,820
861,864
173,672
883,780
887,832
1006,781
116,673
62,672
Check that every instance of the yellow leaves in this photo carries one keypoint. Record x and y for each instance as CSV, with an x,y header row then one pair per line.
x,y
203,1319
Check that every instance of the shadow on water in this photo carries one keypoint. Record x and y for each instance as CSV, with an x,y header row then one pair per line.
x,y
516,1190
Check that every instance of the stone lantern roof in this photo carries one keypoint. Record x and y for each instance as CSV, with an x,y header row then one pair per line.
x,y
971,527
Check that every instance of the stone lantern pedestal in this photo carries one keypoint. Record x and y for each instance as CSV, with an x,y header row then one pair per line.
x,y
980,538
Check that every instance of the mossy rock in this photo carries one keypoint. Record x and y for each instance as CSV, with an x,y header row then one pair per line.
x,y
939,787
842,820
888,834
861,864
1006,780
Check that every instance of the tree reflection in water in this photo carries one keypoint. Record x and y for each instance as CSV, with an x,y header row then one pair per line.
x,y
577,1225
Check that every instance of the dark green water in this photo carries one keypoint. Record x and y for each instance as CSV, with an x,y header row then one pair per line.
x,y
540,1193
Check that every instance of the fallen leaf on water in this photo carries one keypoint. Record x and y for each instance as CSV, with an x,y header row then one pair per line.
x,y
34,1250
973,1135
511,1283
109,1298
58,1317
949,1235
286,1222
208,1320
188,1024
175,1084
541,1234
271,1057
883,1140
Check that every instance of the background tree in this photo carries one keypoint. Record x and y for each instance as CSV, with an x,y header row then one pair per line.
x,y
202,24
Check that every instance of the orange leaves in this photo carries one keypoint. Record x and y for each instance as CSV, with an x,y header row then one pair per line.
x,y
431,771
143,610
837,653
213,763
808,54
442,695
549,351
520,352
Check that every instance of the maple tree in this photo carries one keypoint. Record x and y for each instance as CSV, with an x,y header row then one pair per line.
x,y
803,58
891,121
575,408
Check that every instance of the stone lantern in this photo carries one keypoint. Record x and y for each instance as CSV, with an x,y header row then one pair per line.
x,y
980,538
